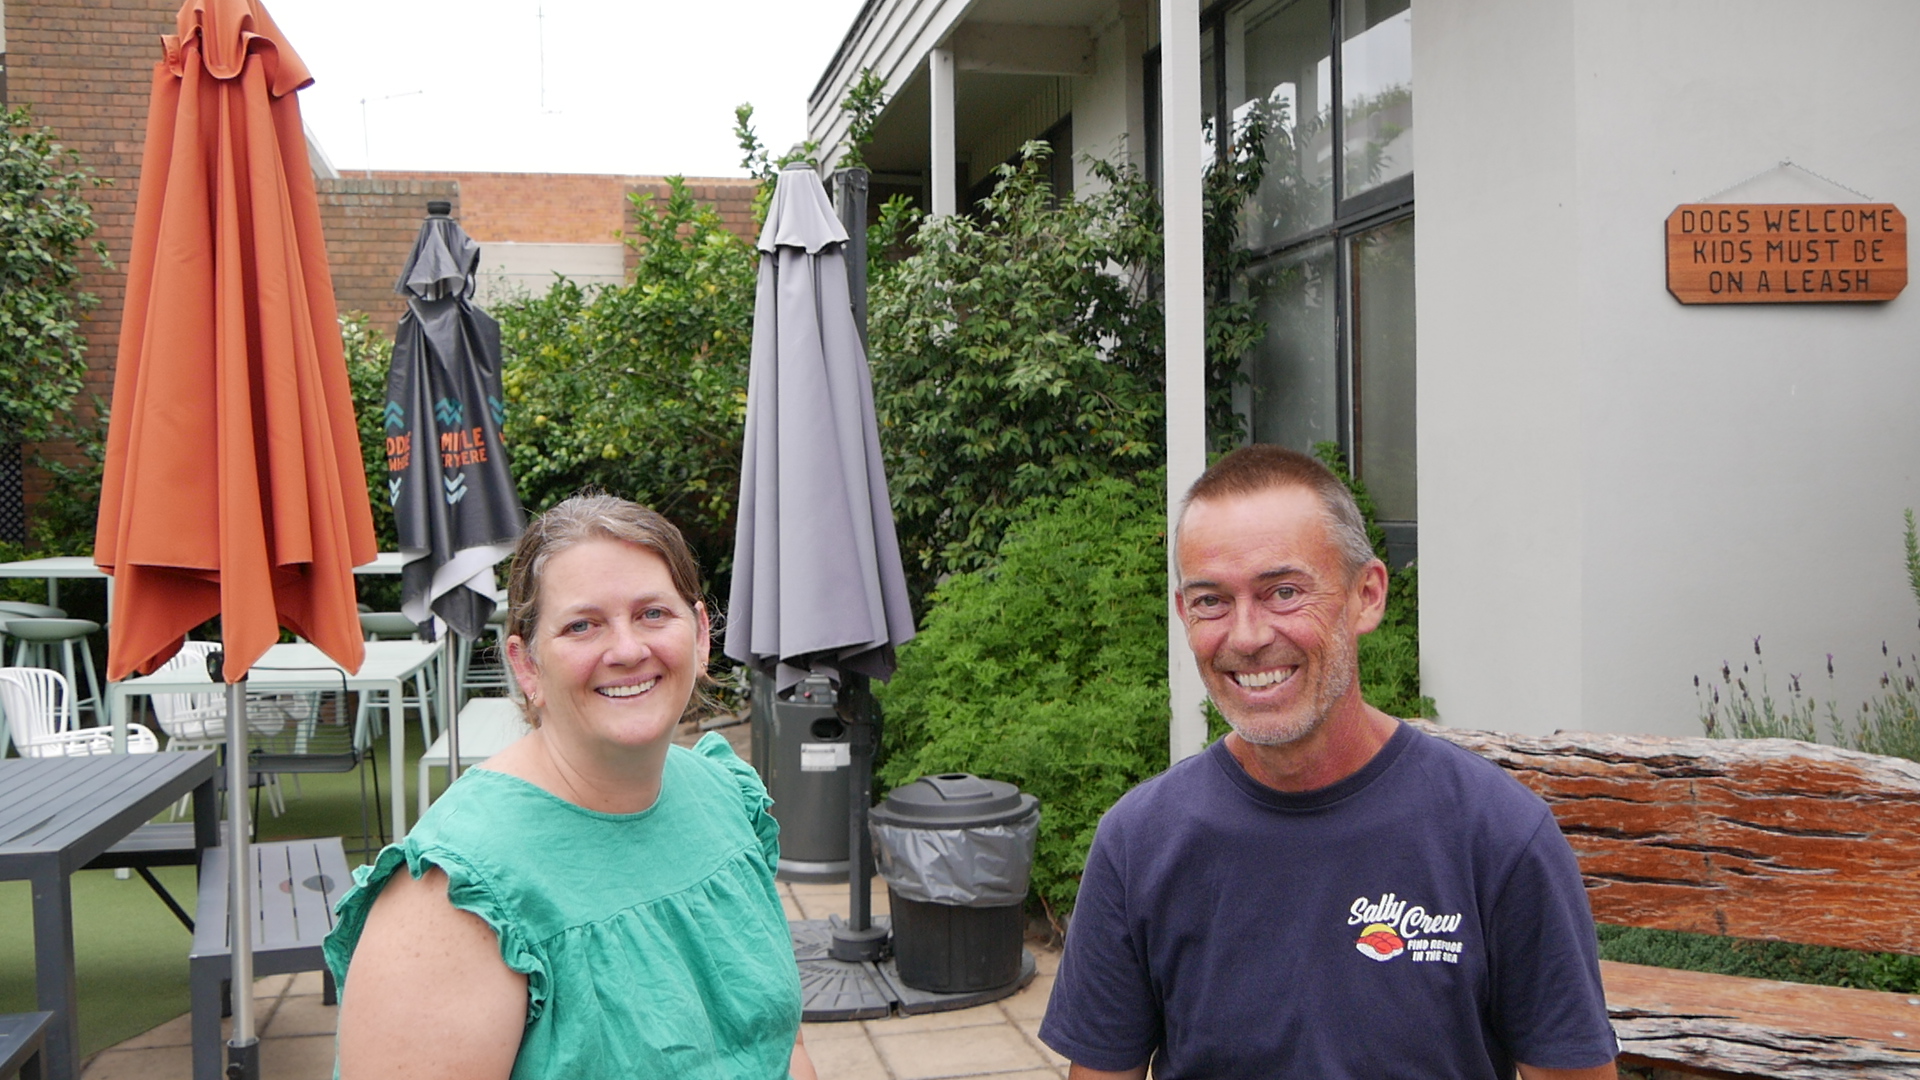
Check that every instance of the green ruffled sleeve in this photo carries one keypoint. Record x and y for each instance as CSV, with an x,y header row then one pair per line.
x,y
753,794
467,890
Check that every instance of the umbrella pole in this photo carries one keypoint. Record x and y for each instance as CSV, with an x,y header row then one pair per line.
x,y
243,1049
451,669
859,940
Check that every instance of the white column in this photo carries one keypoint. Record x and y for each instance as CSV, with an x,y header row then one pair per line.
x,y
1186,328
940,76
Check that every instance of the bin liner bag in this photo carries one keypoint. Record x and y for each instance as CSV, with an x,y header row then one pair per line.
x,y
977,866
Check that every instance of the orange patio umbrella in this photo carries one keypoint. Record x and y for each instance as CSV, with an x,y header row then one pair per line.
x,y
234,484
233,480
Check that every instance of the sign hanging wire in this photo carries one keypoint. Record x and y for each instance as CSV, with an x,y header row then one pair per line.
x,y
1786,163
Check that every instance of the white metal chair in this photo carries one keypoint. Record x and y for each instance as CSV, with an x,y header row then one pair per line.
x,y
198,720
479,679
39,708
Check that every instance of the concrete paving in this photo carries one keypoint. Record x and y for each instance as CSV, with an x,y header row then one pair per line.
x,y
996,1040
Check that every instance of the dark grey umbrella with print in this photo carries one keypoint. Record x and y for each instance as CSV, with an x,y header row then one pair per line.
x,y
818,586
454,504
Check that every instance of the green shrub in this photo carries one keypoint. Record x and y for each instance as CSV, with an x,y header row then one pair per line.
x,y
1789,962
46,230
640,389
1047,669
1010,361
45,225
1018,351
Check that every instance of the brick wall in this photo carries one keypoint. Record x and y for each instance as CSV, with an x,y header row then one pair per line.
x,y
732,197
87,71
370,227
575,208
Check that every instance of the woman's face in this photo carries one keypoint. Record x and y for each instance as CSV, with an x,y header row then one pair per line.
x,y
616,650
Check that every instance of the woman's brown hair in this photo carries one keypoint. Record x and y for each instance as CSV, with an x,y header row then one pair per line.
x,y
595,517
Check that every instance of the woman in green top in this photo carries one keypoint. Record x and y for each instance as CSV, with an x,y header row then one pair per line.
x,y
593,901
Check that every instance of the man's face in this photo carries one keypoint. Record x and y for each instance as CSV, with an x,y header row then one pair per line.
x,y
1271,613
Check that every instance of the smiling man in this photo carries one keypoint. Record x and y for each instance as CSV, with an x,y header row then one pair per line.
x,y
1325,892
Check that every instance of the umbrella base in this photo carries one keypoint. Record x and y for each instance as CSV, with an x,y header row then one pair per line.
x,y
243,1059
812,873
843,990
860,946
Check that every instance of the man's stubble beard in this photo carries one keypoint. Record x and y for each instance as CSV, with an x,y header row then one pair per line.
x,y
1284,731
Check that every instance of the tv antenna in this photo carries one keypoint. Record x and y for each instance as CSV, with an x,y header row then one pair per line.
x,y
365,145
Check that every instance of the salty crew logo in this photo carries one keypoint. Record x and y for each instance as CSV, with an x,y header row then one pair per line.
x,y
1390,927
1379,942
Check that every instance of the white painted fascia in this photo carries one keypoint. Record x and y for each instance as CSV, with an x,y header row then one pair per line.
x,y
893,38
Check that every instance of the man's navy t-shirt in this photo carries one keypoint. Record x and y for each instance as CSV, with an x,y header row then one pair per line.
x,y
1421,918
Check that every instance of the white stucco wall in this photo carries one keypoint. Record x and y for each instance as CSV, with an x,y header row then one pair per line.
x,y
509,269
1618,492
1108,105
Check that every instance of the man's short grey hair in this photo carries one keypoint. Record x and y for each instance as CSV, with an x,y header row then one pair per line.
x,y
1264,467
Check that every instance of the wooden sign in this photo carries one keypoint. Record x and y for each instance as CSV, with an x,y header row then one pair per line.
x,y
1786,253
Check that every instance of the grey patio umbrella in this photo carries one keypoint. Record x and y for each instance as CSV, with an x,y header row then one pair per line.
x,y
817,581
454,504
455,509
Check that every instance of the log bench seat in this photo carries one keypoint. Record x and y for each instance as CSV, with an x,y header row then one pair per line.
x,y
1769,839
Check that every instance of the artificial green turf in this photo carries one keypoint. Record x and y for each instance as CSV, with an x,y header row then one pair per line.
x,y
129,950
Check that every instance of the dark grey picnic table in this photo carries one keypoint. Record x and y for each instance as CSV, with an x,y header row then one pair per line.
x,y
58,815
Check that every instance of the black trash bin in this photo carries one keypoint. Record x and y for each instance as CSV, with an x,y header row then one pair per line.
x,y
956,852
801,750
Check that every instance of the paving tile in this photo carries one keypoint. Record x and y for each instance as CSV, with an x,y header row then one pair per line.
x,y
159,1063
303,1015
1023,1074
307,1058
832,1031
175,1032
306,982
271,986
939,1021
846,1059
956,1052
794,914
1045,960
1031,1001
1031,1029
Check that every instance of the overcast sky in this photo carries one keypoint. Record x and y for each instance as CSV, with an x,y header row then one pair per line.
x,y
628,87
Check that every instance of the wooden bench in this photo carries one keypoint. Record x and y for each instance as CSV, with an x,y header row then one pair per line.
x,y
23,1044
295,884
1767,838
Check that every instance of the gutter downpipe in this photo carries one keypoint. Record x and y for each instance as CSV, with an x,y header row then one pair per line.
x,y
1186,375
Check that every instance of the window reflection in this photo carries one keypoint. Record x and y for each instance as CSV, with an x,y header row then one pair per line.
x,y
1376,83
1278,62
1207,60
1292,373
1383,370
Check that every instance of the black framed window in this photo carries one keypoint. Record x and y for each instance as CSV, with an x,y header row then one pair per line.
x,y
1331,229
